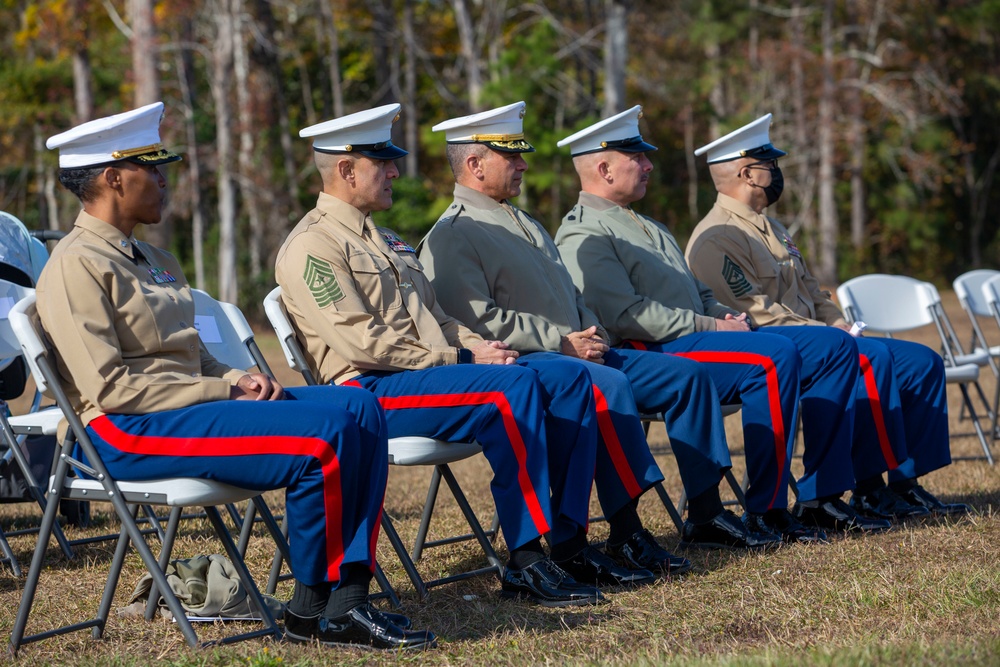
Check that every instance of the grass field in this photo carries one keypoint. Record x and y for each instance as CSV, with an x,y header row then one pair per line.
x,y
924,593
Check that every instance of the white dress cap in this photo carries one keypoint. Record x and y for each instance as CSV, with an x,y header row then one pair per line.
x,y
752,140
618,133
132,135
501,129
367,133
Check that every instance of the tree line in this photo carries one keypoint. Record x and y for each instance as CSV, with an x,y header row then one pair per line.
x,y
889,111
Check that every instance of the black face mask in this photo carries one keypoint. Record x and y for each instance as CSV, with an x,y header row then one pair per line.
x,y
773,191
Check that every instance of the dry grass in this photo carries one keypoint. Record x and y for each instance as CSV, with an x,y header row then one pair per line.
x,y
924,593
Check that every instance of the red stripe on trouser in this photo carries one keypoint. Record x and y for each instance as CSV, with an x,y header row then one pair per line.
x,y
773,397
614,445
875,401
510,425
242,446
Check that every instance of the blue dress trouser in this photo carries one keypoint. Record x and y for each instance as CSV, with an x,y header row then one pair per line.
x,y
679,389
625,467
326,446
906,387
828,377
761,371
504,409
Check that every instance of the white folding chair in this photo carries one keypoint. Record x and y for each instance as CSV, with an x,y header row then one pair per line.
x,y
406,451
969,290
227,335
892,304
99,485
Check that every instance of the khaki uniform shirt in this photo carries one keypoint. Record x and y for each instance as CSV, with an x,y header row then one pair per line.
x,y
632,273
123,330
752,264
498,270
358,297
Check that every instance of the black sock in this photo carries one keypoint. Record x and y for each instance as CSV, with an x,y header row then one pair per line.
x,y
309,601
705,506
865,486
624,523
526,554
569,548
351,592
904,485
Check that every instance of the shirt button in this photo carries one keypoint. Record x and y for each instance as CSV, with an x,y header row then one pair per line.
x,y
191,348
183,325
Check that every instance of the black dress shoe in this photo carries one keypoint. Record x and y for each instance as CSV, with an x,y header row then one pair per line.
x,y
725,531
547,584
780,522
590,566
835,514
883,503
362,626
643,551
918,495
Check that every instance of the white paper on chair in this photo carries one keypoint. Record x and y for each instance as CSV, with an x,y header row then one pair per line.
x,y
207,328
6,303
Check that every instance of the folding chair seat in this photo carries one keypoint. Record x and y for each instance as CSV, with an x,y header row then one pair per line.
x,y
893,304
406,451
101,486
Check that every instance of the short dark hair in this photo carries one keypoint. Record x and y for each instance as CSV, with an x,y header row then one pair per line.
x,y
81,181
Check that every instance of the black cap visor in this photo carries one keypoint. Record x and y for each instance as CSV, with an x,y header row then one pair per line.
x,y
384,150
630,145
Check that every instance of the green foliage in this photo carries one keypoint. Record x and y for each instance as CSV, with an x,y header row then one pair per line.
x,y
413,212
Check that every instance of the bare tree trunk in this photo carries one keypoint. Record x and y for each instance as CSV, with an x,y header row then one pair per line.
x,y
247,168
147,87
333,56
48,204
716,97
185,80
384,37
856,140
826,267
144,52
410,121
83,95
692,167
807,183
467,42
615,57
268,53
222,64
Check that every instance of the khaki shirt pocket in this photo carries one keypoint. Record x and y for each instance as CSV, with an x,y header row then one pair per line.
x,y
376,282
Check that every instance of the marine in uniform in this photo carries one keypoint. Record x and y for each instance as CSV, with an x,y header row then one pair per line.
x,y
367,317
498,271
751,263
155,403
633,275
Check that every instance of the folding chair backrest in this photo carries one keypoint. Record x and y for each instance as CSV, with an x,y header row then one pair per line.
x,y
969,290
282,326
990,294
223,329
10,294
888,304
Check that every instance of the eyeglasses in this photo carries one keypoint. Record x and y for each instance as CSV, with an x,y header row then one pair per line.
x,y
763,164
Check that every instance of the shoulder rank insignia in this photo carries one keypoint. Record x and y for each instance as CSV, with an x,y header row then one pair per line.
x,y
322,282
395,243
161,275
735,278
793,249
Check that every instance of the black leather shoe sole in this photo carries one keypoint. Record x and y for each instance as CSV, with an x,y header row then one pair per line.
x,y
527,596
